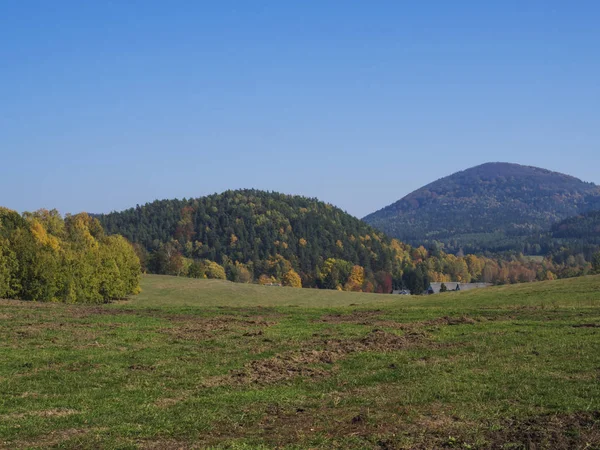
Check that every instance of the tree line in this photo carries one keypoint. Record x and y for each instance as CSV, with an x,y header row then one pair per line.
x,y
44,257
267,237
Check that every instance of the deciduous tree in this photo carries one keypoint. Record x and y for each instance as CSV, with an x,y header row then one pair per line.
x,y
292,279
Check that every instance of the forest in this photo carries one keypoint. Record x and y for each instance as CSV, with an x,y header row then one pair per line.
x,y
583,226
249,236
44,257
491,208
272,238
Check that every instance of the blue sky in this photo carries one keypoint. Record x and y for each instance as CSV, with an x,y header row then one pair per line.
x,y
109,104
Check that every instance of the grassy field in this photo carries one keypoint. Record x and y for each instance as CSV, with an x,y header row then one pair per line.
x,y
211,364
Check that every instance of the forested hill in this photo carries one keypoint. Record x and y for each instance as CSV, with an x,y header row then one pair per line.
x,y
489,207
256,228
267,237
583,226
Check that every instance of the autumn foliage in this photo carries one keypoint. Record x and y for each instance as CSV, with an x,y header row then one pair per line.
x,y
292,279
266,237
47,258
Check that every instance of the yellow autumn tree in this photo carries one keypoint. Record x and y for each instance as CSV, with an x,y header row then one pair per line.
x,y
474,265
419,254
356,279
291,279
327,266
214,270
42,237
46,258
265,279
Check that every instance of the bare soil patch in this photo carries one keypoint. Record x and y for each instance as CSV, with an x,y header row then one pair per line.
x,y
462,320
28,304
305,363
191,328
282,426
579,430
359,317
62,310
83,312
80,334
373,318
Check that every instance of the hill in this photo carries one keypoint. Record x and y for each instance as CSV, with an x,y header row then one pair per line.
x,y
583,226
273,238
254,233
493,207
213,364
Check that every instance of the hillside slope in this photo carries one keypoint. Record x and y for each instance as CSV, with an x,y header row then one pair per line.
x,y
487,207
268,232
161,290
583,226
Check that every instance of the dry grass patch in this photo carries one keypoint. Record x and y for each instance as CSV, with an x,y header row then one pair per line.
x,y
56,412
166,444
54,438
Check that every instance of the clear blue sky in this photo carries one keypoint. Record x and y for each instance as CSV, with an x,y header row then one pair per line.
x,y
107,104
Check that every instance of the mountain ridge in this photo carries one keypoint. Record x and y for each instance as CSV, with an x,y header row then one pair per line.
x,y
482,205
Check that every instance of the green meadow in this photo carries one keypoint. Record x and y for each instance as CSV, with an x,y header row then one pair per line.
x,y
212,364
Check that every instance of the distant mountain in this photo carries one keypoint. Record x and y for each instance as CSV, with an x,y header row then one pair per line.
x,y
491,207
